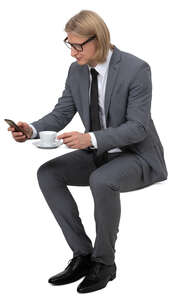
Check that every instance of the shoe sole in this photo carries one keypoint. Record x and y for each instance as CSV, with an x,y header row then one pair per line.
x,y
97,287
67,282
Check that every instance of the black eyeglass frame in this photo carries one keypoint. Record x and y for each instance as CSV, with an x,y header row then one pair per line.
x,y
81,45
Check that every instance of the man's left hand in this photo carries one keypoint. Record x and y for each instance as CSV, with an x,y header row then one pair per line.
x,y
76,140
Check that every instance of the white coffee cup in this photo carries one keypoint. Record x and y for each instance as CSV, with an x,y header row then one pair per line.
x,y
47,138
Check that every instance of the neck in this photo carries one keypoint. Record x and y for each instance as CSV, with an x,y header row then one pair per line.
x,y
92,64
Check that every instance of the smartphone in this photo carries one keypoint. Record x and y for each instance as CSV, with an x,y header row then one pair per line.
x,y
13,124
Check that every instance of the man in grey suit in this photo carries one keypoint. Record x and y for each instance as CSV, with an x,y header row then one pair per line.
x,y
119,151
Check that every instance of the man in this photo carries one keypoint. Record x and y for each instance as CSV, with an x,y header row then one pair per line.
x,y
119,151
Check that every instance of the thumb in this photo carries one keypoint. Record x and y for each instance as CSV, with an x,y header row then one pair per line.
x,y
20,123
23,125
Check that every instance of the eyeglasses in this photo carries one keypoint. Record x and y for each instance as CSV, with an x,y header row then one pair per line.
x,y
78,47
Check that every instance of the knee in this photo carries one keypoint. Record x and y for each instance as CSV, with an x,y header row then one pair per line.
x,y
44,170
97,180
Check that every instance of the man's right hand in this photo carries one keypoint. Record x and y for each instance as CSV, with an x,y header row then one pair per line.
x,y
19,136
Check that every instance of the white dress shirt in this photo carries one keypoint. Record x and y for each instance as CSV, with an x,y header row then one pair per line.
x,y
102,69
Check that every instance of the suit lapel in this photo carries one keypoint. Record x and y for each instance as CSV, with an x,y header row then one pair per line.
x,y
113,69
85,83
84,91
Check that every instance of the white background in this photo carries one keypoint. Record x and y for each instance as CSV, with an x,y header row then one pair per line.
x,y
33,68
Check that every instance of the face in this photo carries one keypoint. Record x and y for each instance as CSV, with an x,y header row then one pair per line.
x,y
89,50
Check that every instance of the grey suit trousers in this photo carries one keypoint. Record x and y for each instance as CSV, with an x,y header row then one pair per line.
x,y
122,172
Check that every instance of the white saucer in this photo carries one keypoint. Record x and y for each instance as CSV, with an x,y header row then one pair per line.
x,y
54,145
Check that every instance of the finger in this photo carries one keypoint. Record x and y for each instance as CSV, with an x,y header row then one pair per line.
x,y
11,129
23,125
60,137
68,140
75,147
15,134
70,145
20,138
67,134
20,123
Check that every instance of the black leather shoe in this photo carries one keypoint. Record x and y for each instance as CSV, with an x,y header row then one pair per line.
x,y
77,268
97,277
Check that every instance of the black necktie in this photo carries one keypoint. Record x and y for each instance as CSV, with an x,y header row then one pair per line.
x,y
94,116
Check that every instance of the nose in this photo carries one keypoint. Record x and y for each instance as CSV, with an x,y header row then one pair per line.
x,y
73,51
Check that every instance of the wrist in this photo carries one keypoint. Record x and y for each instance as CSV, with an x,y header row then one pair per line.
x,y
88,139
31,133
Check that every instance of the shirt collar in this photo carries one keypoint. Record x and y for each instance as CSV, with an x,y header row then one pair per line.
x,y
103,67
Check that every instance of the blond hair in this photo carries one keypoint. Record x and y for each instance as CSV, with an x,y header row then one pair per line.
x,y
88,23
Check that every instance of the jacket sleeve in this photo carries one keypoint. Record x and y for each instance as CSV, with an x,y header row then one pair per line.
x,y
62,113
135,127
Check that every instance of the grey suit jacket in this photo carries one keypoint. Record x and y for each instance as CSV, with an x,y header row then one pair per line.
x,y
127,109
